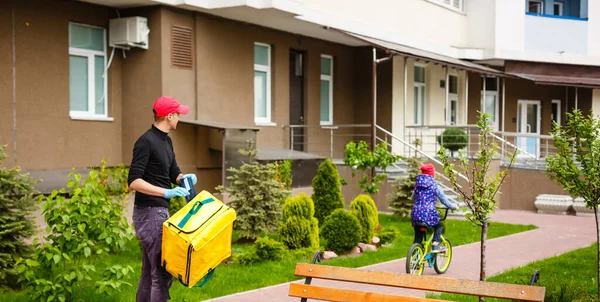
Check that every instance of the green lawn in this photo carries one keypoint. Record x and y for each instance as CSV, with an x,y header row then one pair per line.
x,y
233,278
568,277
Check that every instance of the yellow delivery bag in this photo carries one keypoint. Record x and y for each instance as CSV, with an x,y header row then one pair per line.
x,y
197,238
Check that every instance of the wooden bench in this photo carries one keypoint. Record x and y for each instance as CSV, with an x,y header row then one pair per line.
x,y
426,283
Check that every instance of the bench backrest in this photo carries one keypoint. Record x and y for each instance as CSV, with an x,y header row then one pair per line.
x,y
426,283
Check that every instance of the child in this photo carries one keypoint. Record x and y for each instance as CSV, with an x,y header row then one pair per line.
x,y
424,212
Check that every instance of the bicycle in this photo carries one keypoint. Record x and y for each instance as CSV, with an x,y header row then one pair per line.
x,y
421,253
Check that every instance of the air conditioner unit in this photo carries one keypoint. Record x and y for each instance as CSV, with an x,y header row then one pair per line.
x,y
128,32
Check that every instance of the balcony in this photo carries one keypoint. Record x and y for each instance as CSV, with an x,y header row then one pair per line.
x,y
557,26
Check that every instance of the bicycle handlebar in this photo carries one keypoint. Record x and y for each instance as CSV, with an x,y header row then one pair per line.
x,y
445,212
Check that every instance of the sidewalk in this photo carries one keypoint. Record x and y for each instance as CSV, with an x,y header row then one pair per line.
x,y
502,254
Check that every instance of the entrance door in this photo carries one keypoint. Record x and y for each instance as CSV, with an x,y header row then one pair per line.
x,y
528,121
296,100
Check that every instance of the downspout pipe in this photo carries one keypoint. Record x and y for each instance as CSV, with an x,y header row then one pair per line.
x,y
374,95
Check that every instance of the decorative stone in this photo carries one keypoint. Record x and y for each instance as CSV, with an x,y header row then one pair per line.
x,y
375,240
369,247
553,204
329,255
581,209
355,251
361,246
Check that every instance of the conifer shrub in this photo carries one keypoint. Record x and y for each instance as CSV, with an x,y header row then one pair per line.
x,y
327,192
299,229
400,200
263,249
256,195
341,230
387,235
364,209
17,203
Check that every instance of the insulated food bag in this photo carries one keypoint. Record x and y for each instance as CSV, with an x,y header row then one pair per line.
x,y
197,238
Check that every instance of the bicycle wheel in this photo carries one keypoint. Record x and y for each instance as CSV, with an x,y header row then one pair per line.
x,y
443,258
414,259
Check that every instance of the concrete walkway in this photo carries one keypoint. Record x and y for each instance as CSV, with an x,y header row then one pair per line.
x,y
555,235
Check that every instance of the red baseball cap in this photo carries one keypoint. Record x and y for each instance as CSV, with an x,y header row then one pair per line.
x,y
166,104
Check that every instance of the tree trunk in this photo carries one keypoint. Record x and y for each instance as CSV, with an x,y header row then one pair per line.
x,y
484,229
598,241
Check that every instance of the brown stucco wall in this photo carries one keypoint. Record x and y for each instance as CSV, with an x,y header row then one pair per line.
x,y
6,80
47,138
522,186
225,54
142,82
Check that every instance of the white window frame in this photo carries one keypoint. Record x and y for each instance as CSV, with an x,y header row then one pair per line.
x,y
560,8
541,3
265,121
449,4
493,93
90,114
328,78
558,119
420,106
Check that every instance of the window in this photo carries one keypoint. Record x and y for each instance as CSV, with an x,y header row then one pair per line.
x,y
452,4
558,8
262,83
556,111
453,97
489,102
419,95
535,6
87,78
326,90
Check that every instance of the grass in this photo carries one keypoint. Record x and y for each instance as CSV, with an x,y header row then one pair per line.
x,y
568,277
234,278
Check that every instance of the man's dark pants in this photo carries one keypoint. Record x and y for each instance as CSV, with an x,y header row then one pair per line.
x,y
155,281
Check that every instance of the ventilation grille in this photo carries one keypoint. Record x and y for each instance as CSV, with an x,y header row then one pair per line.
x,y
181,47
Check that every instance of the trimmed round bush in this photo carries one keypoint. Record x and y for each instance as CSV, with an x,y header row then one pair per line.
x,y
341,230
268,249
299,228
364,209
300,206
327,193
298,232
388,235
453,139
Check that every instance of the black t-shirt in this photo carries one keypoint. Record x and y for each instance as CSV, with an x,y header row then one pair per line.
x,y
153,161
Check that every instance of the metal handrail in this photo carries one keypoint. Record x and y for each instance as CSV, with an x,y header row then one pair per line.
x,y
334,126
418,151
513,146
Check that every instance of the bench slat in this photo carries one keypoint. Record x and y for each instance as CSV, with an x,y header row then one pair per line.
x,y
428,283
346,295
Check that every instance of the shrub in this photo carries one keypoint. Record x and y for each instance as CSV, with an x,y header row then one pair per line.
x,y
268,249
301,206
17,203
341,230
263,249
453,139
400,200
284,173
256,196
362,159
299,229
387,235
81,229
364,209
327,194
175,204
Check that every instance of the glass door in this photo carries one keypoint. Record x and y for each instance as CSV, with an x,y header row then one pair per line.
x,y
528,122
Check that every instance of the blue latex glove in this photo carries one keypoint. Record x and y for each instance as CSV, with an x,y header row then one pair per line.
x,y
177,191
192,177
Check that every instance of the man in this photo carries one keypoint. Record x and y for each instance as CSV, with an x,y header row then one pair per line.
x,y
153,170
